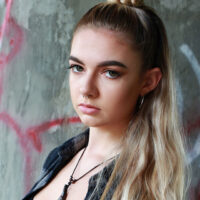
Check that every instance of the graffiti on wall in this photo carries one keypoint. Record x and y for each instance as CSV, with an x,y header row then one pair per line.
x,y
193,153
12,32
185,49
30,138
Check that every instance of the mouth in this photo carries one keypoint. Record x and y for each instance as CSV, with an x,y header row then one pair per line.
x,y
88,109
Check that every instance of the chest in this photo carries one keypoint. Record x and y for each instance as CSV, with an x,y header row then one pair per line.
x,y
77,190
54,189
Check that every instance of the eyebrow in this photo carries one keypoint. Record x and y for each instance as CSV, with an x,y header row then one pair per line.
x,y
102,64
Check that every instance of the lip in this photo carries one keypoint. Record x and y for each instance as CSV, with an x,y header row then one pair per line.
x,y
88,109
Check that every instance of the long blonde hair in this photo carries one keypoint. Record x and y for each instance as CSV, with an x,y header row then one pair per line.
x,y
153,150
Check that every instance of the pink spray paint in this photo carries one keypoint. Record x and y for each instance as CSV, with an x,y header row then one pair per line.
x,y
34,132
14,34
5,21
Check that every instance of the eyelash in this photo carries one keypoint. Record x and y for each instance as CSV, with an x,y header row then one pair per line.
x,y
117,74
73,67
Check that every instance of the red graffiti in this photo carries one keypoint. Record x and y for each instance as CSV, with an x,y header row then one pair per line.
x,y
6,18
11,123
1,83
34,132
13,33
15,37
32,135
30,138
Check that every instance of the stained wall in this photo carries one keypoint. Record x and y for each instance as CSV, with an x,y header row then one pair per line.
x,y
36,113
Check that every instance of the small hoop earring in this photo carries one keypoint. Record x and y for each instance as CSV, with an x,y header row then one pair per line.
x,y
141,102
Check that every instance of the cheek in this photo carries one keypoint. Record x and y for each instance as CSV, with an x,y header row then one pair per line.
x,y
125,91
72,87
123,97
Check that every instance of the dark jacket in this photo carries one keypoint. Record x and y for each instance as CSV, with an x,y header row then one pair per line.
x,y
62,155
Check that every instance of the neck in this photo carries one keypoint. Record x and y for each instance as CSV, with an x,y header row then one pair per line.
x,y
105,142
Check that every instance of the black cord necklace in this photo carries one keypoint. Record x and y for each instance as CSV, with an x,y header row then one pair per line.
x,y
72,180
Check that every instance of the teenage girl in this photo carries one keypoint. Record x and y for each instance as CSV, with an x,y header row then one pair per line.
x,y
122,88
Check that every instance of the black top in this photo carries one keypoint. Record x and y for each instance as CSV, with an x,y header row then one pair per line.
x,y
61,156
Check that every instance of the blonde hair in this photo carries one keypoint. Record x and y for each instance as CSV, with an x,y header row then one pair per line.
x,y
153,150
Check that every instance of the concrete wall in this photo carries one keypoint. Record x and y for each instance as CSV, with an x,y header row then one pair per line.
x,y
35,109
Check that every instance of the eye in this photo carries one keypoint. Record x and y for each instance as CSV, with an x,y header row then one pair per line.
x,y
76,68
112,74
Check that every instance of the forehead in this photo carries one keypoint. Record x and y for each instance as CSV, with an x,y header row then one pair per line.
x,y
101,33
102,44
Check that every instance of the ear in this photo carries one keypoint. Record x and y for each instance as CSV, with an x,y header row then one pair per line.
x,y
151,79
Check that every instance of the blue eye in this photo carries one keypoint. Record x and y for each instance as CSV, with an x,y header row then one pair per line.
x,y
76,68
112,74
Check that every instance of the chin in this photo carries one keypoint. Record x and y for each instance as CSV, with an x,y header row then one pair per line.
x,y
91,122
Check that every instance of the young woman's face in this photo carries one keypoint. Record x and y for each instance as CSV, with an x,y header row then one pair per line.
x,y
105,79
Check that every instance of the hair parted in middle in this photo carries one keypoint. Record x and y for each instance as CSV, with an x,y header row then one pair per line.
x,y
151,165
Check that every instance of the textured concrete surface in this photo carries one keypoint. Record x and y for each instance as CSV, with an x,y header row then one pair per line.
x,y
35,109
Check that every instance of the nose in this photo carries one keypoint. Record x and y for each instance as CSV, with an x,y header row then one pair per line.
x,y
88,87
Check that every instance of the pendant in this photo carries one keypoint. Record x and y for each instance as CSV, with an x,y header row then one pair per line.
x,y
63,196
